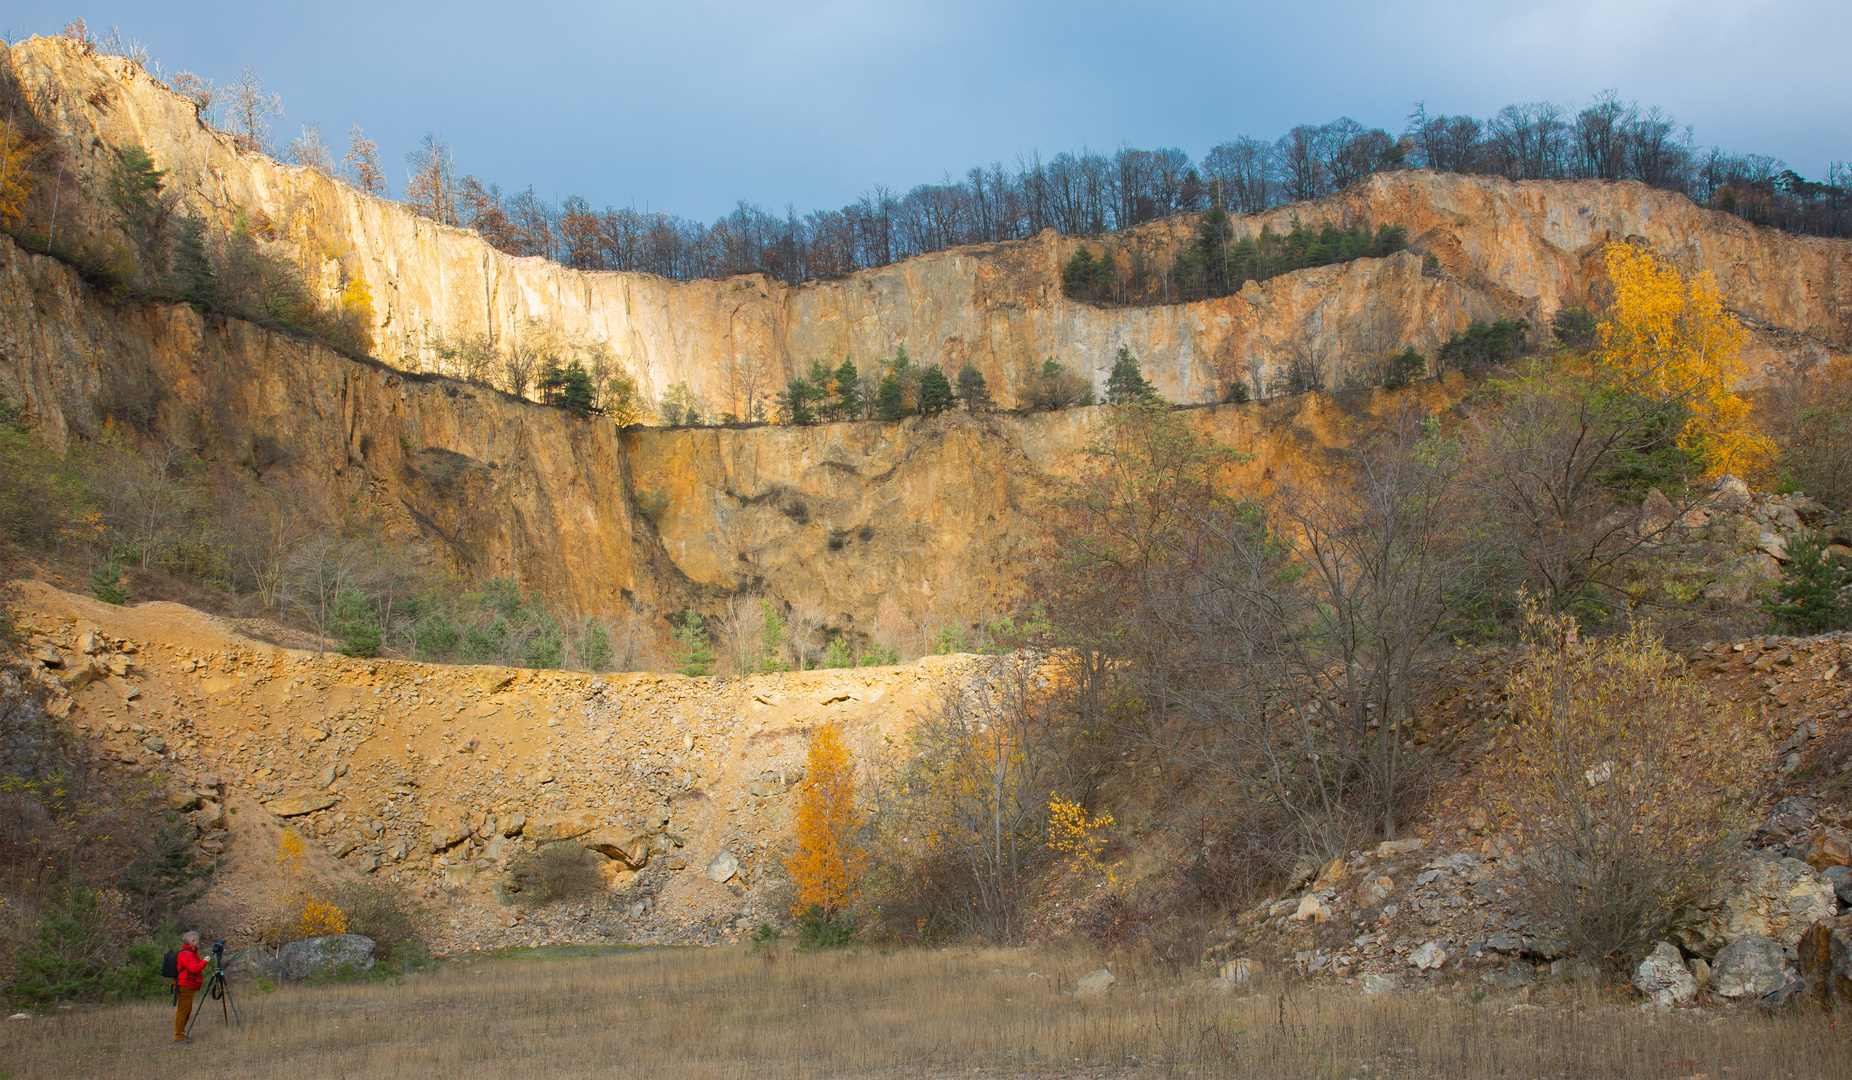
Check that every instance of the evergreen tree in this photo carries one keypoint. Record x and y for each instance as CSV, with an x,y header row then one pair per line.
x,y
354,624
1127,383
797,401
141,212
848,391
595,647
973,391
935,392
167,875
693,654
1813,596
891,402
193,277
568,387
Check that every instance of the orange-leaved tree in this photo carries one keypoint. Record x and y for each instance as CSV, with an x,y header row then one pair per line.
x,y
826,867
1669,336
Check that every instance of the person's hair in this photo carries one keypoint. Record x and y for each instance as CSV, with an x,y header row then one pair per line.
x,y
191,937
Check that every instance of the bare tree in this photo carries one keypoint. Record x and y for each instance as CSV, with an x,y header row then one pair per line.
x,y
431,189
362,162
251,108
310,149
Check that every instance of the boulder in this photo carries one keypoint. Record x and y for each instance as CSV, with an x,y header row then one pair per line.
x,y
314,735
1840,878
631,849
461,874
1748,968
253,963
1094,984
447,838
297,805
511,824
1390,848
316,955
90,643
210,816
1311,908
1241,971
1826,961
50,657
1428,957
1374,985
1375,890
1762,894
183,801
1664,978
563,828
493,680
722,867
325,778
1827,849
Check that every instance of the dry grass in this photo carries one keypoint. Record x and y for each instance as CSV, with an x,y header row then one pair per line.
x,y
915,1014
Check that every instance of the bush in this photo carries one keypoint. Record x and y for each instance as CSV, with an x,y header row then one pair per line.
x,y
1483,345
1809,415
75,955
1573,327
1055,387
383,912
1403,368
555,872
168,873
816,930
1627,779
109,582
1815,594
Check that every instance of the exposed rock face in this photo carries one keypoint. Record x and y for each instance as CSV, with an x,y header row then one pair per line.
x,y
1763,895
1504,249
1663,977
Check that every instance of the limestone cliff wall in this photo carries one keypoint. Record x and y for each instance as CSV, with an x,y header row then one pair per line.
x,y
892,530
1506,250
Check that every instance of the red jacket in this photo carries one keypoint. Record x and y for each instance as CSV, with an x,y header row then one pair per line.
x,y
191,964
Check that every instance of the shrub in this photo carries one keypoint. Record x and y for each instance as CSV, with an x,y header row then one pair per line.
x,y
109,582
1482,345
1403,368
383,912
1573,327
1808,412
1813,596
653,504
75,955
555,872
1627,779
819,930
1238,393
168,873
1055,387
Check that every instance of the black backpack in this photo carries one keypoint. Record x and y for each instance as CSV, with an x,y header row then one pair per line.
x,y
170,965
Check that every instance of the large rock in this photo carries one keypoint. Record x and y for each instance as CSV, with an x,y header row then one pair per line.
x,y
1747,968
631,849
563,828
1763,894
722,867
253,963
1094,984
1664,978
1826,961
1428,957
446,838
297,805
316,955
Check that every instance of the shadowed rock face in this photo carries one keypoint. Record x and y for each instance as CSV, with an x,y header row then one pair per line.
x,y
1505,250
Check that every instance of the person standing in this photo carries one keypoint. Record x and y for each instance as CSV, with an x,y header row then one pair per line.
x,y
189,966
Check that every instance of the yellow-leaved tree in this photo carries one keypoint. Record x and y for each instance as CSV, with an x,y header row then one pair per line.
x,y
303,913
1669,335
826,867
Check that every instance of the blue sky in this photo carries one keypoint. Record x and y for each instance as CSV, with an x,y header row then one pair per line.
x,y
688,107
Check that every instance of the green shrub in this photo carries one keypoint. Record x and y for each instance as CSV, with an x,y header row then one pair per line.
x,y
168,873
109,582
838,655
74,957
693,654
1573,327
1815,594
1482,344
653,504
555,872
815,930
1404,368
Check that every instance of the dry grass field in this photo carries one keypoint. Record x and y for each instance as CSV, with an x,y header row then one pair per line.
x,y
697,1014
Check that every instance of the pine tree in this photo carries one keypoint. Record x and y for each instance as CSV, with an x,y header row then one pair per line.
x,y
973,391
891,402
1127,383
1813,596
826,866
693,654
935,392
193,277
848,390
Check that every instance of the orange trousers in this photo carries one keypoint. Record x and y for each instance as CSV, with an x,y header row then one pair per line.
x,y
183,1005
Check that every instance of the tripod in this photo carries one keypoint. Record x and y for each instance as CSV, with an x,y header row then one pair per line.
x,y
218,990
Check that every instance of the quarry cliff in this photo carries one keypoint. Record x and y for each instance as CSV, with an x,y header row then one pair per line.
x,y
1500,250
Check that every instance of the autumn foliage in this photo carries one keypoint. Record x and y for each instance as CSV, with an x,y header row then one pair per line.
x,y
304,913
1670,337
826,867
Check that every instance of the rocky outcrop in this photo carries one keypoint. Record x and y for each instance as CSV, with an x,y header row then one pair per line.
x,y
1502,249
